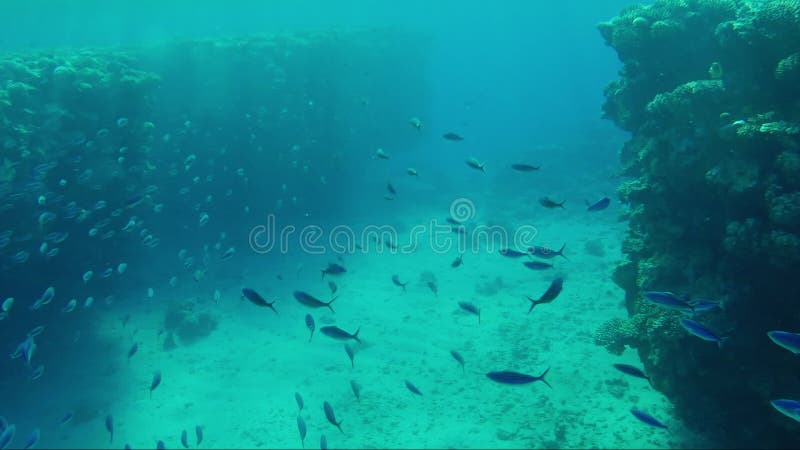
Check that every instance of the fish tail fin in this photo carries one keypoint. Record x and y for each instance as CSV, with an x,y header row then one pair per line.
x,y
339,426
355,335
543,380
312,335
404,286
561,251
329,304
533,303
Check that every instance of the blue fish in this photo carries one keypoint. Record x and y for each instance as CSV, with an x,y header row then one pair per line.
x,y
185,439
701,331
789,341
331,416
310,325
599,205
323,442
7,436
546,253
66,418
509,377
633,371
413,388
537,265
470,308
198,432
301,427
789,408
647,418
299,399
32,440
702,305
155,383
669,300
110,427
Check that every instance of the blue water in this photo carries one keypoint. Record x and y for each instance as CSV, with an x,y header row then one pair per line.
x,y
241,131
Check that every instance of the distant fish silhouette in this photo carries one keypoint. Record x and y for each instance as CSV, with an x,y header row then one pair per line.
x,y
257,299
312,302
299,399
350,354
396,281
548,203
110,427
457,356
524,167
509,377
339,334
470,308
356,389
333,269
413,388
155,383
198,432
452,136
301,427
185,439
331,416
647,418
550,294
599,205
310,325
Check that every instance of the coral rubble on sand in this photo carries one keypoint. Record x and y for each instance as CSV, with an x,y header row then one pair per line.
x,y
710,91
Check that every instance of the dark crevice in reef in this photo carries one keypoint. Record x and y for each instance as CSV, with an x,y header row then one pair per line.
x,y
710,91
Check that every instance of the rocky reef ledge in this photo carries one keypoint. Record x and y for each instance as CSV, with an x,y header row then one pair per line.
x,y
710,92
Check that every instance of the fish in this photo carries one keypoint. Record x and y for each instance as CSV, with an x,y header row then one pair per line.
x,y
133,350
66,418
412,171
323,442
349,350
511,253
299,399
550,294
546,253
380,153
333,287
331,416
257,299
333,269
647,418
198,432
789,408
339,334
32,440
458,261
312,302
450,136
599,205
787,340
356,389
457,356
549,203
391,188
396,281
470,308
701,331
37,372
7,435
435,289
110,427
509,377
475,164
310,325
155,383
702,305
160,445
36,331
537,265
415,122
521,167
633,371
413,388
301,427
185,439
669,300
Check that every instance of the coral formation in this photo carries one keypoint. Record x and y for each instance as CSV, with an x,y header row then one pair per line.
x,y
189,321
714,201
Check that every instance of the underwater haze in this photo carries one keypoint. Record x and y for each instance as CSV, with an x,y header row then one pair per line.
x,y
363,224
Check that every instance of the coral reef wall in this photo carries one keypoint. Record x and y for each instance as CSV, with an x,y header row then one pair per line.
x,y
710,91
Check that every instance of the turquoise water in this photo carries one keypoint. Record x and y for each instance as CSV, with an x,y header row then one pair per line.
x,y
159,159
